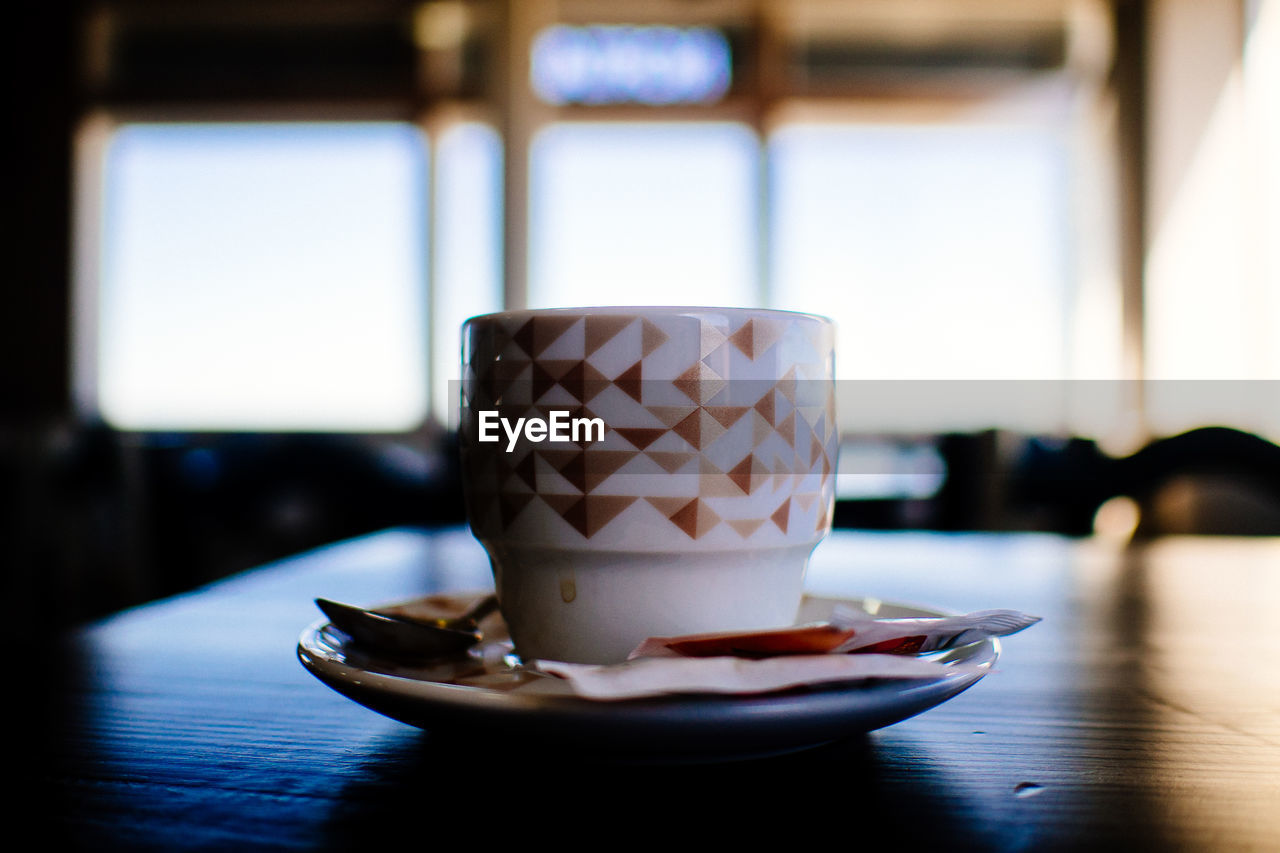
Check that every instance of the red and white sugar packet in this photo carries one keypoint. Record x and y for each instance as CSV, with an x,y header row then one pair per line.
x,y
849,630
815,638
658,676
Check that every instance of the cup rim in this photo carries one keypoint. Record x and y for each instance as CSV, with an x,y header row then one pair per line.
x,y
640,310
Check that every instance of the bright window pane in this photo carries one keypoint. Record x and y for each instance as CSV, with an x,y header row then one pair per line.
x,y
643,214
264,276
941,251
468,241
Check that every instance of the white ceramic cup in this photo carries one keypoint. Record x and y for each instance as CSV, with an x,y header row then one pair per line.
x,y
701,478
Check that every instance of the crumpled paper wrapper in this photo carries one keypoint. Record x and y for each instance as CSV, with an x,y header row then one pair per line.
x,y
852,646
641,677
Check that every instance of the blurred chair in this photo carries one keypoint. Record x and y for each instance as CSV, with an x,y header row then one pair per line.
x,y
1211,481
1214,480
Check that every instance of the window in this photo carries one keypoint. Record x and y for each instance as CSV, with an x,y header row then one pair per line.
x,y
1212,264
467,262
263,277
919,181
942,249
643,214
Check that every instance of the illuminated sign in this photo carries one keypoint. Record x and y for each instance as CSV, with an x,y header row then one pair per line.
x,y
626,64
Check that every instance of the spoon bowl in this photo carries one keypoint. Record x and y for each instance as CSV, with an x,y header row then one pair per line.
x,y
407,637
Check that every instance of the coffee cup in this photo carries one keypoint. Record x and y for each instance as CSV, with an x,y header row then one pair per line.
x,y
637,472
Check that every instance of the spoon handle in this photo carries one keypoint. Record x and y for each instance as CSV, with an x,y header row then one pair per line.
x,y
483,608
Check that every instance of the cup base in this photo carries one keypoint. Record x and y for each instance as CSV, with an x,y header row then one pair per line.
x,y
585,606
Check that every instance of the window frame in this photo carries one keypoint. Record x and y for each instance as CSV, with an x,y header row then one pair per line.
x,y
762,97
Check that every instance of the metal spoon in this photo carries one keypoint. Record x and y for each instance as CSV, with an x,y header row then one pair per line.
x,y
405,636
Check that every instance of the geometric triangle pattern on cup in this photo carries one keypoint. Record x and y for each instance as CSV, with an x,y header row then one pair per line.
x,y
677,438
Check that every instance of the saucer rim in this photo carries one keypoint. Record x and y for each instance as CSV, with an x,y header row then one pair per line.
x,y
682,723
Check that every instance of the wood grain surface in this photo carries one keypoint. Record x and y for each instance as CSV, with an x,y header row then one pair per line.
x,y
1142,713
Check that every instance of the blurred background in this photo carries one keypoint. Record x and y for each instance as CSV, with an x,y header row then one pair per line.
x,y
244,235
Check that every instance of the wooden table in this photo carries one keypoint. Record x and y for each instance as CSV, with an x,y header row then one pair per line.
x,y
1143,712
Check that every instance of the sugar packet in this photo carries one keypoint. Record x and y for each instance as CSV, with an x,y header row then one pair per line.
x,y
848,630
851,646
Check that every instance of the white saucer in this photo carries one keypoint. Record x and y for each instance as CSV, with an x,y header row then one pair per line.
x,y
479,695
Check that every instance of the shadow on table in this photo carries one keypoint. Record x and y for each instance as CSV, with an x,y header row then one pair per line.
x,y
1070,759
845,787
